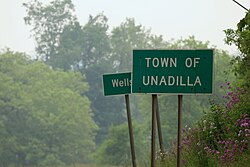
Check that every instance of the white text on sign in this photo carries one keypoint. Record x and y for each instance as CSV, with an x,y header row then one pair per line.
x,y
121,83
170,62
171,80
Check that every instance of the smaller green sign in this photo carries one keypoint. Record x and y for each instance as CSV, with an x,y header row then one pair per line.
x,y
117,84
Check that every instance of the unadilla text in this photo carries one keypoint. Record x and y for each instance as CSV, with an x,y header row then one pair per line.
x,y
171,81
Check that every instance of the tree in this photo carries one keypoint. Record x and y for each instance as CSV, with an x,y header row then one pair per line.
x,y
129,36
241,38
45,117
70,48
93,64
115,150
108,111
96,41
48,23
189,43
87,49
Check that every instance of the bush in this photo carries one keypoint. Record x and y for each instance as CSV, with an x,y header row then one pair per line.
x,y
221,138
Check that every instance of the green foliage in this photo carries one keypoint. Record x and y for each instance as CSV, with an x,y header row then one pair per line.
x,y
129,36
44,119
108,111
96,41
115,150
241,38
94,63
69,50
221,137
81,47
189,43
48,22
124,39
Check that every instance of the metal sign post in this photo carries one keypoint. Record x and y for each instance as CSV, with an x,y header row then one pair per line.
x,y
179,130
159,127
155,121
153,131
130,128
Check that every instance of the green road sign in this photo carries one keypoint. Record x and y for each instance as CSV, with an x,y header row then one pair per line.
x,y
172,71
117,84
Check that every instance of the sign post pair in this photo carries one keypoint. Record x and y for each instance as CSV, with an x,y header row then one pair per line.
x,y
176,72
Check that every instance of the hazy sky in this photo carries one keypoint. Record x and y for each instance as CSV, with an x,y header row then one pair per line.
x,y
205,19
